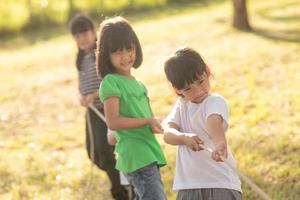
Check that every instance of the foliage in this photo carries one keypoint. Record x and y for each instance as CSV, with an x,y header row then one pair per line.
x,y
18,15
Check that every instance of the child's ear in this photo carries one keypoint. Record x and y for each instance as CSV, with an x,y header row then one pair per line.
x,y
208,71
178,92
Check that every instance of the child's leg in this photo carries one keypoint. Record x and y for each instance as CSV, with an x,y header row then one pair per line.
x,y
147,183
104,156
209,194
127,185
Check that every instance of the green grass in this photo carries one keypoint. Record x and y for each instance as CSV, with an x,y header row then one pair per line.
x,y
42,146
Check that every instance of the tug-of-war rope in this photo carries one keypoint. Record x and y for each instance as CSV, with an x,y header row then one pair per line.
x,y
243,177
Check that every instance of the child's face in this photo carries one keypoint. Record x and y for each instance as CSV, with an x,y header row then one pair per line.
x,y
123,60
85,40
197,91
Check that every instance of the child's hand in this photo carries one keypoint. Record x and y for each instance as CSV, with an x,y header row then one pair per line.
x,y
193,142
155,125
89,99
220,153
82,101
111,139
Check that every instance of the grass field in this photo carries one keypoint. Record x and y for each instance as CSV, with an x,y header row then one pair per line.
x,y
42,148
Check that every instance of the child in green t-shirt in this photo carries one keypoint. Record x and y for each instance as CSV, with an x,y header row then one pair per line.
x,y
127,108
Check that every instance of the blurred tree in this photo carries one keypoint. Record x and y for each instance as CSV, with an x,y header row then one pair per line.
x,y
180,1
240,15
71,10
29,7
101,4
130,4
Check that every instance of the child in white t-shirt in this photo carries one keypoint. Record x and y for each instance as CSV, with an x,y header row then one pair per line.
x,y
198,118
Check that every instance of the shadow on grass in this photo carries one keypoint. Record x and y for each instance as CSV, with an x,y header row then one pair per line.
x,y
291,21
280,35
280,7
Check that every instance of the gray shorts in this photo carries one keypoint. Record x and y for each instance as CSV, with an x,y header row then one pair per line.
x,y
209,194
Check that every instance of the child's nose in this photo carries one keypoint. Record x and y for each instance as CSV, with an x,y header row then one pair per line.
x,y
126,55
200,91
81,38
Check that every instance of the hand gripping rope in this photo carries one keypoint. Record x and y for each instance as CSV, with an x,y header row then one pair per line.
x,y
243,177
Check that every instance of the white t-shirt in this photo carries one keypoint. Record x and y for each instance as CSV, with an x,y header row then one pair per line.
x,y
197,169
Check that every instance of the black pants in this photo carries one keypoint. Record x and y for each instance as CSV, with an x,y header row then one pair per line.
x,y
104,156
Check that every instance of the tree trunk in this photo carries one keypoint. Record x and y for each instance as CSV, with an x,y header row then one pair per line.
x,y
130,4
71,10
30,9
101,4
240,15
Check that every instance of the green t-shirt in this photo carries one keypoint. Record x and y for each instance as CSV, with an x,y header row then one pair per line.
x,y
136,147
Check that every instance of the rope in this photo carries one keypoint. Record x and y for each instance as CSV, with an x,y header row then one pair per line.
x,y
245,178
92,152
97,112
122,177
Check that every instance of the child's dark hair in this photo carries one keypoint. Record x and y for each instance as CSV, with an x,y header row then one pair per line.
x,y
81,23
184,67
115,34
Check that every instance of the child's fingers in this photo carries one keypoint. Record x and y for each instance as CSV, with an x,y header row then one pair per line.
x,y
199,142
156,126
217,156
160,129
196,146
157,129
222,155
213,156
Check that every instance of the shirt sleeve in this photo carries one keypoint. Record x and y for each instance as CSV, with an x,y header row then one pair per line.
x,y
174,115
109,88
217,105
145,89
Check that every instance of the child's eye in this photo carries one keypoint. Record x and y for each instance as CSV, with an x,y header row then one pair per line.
x,y
130,49
187,90
117,52
199,82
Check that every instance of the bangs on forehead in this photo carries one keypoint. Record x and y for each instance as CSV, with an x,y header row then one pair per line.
x,y
185,79
80,28
183,71
119,41
194,77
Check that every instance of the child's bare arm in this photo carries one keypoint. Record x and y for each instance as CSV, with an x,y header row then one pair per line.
x,y
116,122
216,131
173,136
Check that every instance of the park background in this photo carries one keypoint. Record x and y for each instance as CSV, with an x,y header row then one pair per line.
x,y
256,67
